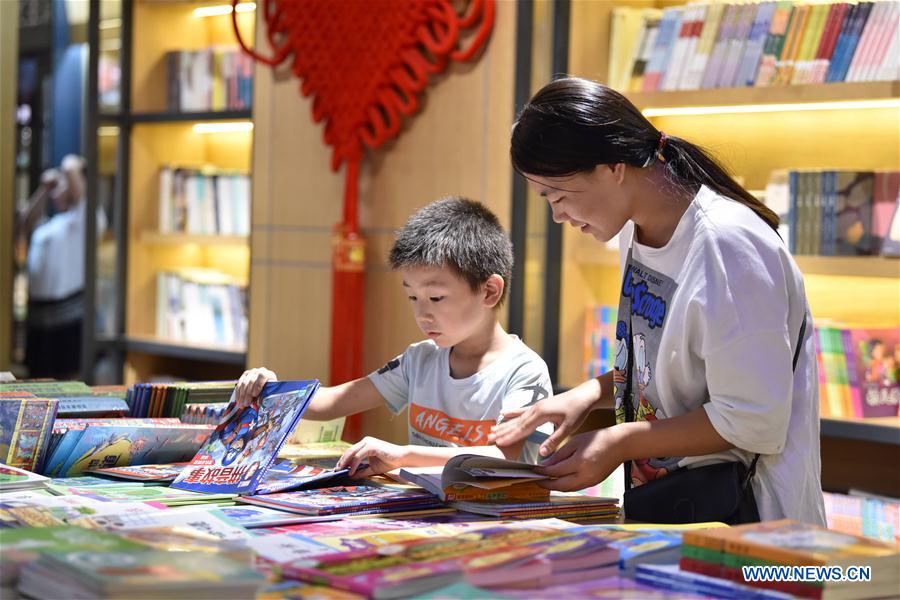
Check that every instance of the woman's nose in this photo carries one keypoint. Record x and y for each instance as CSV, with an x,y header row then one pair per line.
x,y
558,214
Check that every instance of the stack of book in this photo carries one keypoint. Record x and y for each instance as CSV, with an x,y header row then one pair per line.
x,y
203,202
349,500
838,213
703,46
726,552
859,371
860,514
211,79
201,306
503,488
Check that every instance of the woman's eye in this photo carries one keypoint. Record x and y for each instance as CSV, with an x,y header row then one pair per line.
x,y
412,298
436,298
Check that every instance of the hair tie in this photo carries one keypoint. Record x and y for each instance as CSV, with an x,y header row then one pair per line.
x,y
658,153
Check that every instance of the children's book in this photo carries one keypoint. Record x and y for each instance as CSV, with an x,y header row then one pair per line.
x,y
254,517
48,389
64,485
305,591
161,473
559,504
319,454
474,477
191,520
25,428
345,500
874,354
122,445
59,513
26,544
672,578
854,212
287,476
284,548
14,478
145,574
166,495
237,456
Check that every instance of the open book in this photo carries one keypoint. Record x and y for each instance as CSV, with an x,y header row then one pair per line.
x,y
475,477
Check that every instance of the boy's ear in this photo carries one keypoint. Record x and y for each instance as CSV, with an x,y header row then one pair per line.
x,y
493,290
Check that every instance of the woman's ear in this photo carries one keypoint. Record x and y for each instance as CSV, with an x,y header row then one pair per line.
x,y
618,171
493,290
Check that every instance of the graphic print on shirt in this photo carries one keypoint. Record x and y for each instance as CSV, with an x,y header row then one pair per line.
x,y
645,297
429,425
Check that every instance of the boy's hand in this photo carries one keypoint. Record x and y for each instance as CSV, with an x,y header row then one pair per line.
x,y
381,457
250,385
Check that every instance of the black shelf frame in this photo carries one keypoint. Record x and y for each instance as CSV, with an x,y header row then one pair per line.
x,y
181,117
176,350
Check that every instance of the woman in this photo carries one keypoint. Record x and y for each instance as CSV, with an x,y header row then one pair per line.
x,y
715,357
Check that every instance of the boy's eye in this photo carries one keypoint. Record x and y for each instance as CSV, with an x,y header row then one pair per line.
x,y
436,298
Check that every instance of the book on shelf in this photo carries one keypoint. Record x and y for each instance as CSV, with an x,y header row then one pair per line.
x,y
599,340
201,306
476,477
770,43
203,201
169,399
242,448
837,213
864,515
211,79
859,374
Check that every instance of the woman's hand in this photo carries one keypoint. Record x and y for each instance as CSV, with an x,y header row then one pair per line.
x,y
250,385
566,411
585,460
381,457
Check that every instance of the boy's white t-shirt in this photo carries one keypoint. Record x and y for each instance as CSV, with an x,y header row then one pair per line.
x,y
448,412
717,316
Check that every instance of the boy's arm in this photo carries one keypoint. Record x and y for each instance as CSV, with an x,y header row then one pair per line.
x,y
341,400
328,402
378,456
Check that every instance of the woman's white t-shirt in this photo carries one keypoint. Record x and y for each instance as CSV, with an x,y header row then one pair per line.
x,y
717,313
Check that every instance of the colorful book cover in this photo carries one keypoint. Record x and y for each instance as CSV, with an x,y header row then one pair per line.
x,y
254,517
112,446
302,477
98,574
198,521
345,499
241,449
14,478
885,201
26,425
158,473
854,212
876,364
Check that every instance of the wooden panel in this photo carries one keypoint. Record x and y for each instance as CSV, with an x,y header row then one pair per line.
x,y
867,466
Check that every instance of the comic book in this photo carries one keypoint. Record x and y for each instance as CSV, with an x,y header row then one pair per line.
x,y
159,473
237,456
67,433
476,477
25,428
112,445
14,478
302,477
345,500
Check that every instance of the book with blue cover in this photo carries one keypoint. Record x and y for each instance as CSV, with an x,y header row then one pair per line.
x,y
238,455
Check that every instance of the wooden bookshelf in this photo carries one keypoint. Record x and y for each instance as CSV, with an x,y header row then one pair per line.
x,y
770,95
850,266
163,137
157,238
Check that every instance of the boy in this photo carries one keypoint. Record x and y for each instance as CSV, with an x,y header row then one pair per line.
x,y
455,260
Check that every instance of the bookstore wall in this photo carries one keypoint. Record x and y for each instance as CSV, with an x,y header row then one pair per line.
x,y
800,101
456,144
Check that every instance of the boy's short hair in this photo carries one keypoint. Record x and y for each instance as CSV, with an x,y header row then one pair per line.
x,y
458,233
